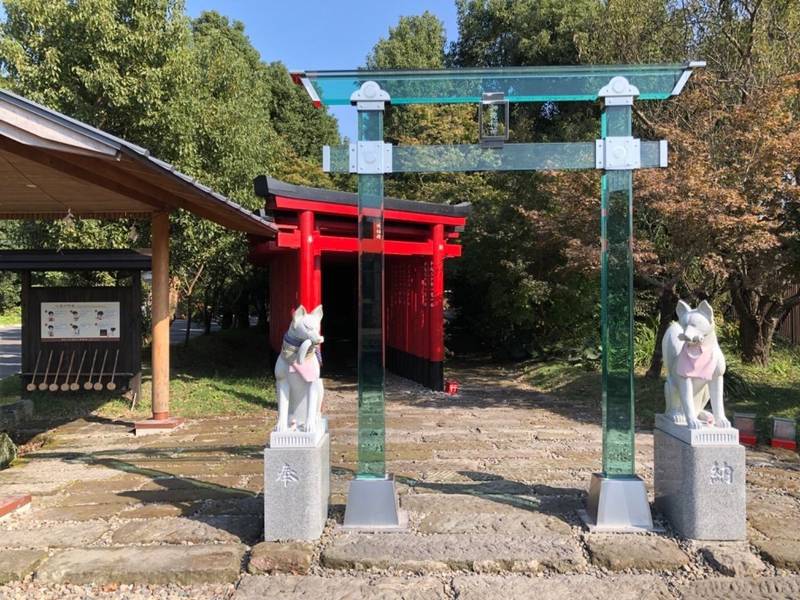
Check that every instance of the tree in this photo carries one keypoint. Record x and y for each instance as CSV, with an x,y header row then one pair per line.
x,y
195,93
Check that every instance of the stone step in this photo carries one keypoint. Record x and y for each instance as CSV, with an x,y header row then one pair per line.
x,y
16,565
585,587
443,552
182,565
337,588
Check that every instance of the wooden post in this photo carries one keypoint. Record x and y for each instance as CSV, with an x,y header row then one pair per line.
x,y
306,263
160,313
135,384
437,308
25,315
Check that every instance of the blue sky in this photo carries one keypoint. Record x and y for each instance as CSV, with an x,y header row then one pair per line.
x,y
323,34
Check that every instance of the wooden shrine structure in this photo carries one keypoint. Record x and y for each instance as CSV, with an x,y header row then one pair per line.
x,y
313,260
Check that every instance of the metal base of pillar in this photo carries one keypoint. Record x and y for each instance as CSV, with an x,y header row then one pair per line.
x,y
372,506
153,426
617,505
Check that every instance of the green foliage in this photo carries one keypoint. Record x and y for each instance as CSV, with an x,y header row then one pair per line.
x,y
194,93
11,316
644,342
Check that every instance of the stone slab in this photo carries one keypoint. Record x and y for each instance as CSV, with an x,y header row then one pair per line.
x,y
157,426
184,565
784,554
340,588
296,491
16,565
618,587
700,489
85,512
520,523
276,557
758,588
443,552
155,511
733,559
777,525
186,530
641,552
54,536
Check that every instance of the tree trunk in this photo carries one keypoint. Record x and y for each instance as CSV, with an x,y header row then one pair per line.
x,y
208,311
207,318
755,335
666,308
188,318
243,311
758,319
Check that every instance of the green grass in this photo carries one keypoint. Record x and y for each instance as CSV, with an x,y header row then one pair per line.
x,y
766,391
9,390
225,373
11,317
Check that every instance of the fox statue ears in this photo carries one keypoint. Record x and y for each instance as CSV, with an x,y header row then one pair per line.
x,y
704,308
302,312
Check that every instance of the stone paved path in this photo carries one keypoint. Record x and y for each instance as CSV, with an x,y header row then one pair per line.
x,y
491,481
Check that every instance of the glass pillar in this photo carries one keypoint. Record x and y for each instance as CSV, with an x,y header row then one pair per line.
x,y
616,313
371,425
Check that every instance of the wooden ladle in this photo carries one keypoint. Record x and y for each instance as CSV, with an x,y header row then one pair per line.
x,y
111,385
43,384
75,386
65,385
54,386
32,385
98,385
88,385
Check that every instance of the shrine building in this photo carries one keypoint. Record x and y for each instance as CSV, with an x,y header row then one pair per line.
x,y
313,259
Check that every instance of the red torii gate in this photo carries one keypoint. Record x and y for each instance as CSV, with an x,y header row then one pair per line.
x,y
417,237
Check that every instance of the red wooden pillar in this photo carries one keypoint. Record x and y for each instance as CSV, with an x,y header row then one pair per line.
x,y
310,277
436,318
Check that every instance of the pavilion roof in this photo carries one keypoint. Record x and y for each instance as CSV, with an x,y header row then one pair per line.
x,y
52,165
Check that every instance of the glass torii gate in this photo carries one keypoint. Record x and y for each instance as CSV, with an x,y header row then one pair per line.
x,y
617,497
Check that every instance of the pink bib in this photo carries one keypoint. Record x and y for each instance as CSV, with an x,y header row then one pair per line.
x,y
308,369
696,362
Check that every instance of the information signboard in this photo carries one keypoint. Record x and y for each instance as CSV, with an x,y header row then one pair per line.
x,y
80,321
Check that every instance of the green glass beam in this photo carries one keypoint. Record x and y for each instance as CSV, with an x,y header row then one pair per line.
x,y
510,157
616,313
518,84
371,424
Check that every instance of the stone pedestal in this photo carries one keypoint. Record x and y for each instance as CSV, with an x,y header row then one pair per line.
x,y
296,490
700,480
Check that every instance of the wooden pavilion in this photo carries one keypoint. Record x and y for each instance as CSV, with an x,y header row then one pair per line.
x,y
52,166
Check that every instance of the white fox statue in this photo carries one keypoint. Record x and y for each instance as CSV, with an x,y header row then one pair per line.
x,y
297,373
695,368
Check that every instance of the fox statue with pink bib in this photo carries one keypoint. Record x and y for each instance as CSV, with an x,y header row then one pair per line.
x,y
297,374
695,369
